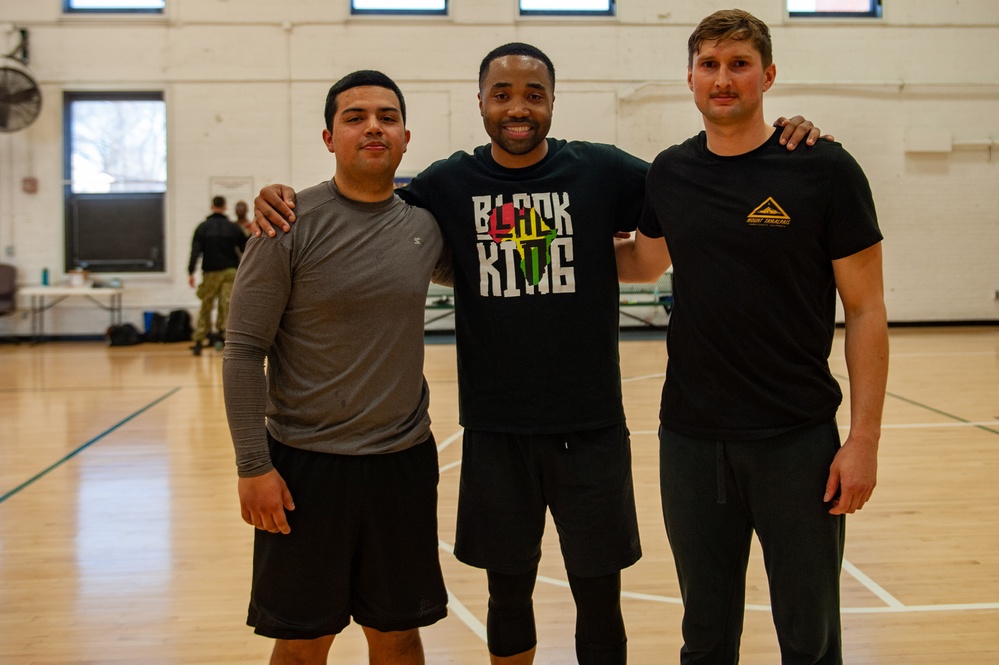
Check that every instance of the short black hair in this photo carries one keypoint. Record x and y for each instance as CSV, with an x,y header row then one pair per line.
x,y
218,202
516,48
357,79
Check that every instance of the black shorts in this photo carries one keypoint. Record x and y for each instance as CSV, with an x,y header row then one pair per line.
x,y
363,544
584,478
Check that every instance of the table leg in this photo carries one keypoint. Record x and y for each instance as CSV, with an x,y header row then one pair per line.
x,y
37,318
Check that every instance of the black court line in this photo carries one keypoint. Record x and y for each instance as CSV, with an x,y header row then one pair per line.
x,y
931,409
959,419
80,449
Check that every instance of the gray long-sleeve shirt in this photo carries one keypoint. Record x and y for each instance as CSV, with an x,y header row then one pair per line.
x,y
336,306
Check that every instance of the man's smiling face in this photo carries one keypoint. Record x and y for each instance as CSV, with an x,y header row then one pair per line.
x,y
516,100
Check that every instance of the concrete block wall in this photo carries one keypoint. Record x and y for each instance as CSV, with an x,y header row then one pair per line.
x,y
245,81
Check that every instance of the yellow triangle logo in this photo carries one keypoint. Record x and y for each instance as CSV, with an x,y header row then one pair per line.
x,y
769,210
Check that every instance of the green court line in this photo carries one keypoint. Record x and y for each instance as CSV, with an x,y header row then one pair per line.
x,y
74,453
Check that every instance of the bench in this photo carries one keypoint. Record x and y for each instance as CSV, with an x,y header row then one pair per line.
x,y
659,294
440,299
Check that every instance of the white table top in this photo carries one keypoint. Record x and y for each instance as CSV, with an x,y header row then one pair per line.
x,y
69,290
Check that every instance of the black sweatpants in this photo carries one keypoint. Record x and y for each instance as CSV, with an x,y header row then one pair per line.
x,y
715,494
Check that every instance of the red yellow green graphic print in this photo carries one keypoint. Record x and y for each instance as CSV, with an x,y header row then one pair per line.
x,y
525,244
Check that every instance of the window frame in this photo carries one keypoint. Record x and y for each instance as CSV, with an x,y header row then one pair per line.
x,y
67,8
155,260
354,11
876,12
610,12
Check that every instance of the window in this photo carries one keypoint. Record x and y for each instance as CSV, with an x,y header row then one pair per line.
x,y
834,8
115,174
156,6
567,7
432,7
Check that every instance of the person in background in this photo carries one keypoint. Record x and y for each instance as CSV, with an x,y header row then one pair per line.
x,y
219,244
245,223
337,465
761,240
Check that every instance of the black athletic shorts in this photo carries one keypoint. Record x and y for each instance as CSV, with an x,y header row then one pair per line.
x,y
583,478
363,544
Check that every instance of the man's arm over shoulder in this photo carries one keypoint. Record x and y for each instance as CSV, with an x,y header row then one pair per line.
x,y
273,208
798,129
641,259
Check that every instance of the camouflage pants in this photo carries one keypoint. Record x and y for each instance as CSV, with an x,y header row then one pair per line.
x,y
215,285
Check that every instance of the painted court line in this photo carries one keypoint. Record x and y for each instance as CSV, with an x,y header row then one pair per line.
x,y
444,444
80,449
466,616
952,607
646,377
940,354
456,605
872,586
892,604
984,424
448,441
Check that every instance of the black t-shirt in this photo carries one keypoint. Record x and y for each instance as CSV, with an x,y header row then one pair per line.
x,y
536,291
752,238
219,242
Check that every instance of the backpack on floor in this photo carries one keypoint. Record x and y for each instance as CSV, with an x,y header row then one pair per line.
x,y
123,334
157,331
178,326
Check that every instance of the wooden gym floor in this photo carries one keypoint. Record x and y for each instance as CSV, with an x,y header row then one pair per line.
x,y
121,541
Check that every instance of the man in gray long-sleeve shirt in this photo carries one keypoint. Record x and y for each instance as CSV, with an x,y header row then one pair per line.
x,y
337,465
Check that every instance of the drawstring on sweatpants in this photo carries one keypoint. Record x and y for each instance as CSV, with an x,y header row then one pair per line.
x,y
720,470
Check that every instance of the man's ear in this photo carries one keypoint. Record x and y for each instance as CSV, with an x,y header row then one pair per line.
x,y
769,76
328,139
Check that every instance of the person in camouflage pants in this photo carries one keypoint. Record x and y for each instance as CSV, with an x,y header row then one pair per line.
x,y
216,286
219,243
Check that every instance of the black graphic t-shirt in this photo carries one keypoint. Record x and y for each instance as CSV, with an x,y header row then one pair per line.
x,y
536,291
753,238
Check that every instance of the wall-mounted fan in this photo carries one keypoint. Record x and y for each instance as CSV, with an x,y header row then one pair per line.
x,y
20,98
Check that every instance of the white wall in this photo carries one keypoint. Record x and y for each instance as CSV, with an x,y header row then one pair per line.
x,y
245,82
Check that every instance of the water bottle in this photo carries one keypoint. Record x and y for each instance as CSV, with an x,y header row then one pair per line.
x,y
45,276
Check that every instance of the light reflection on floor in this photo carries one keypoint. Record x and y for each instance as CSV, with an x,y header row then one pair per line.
x,y
124,525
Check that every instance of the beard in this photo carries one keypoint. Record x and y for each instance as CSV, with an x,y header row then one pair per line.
x,y
517,146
